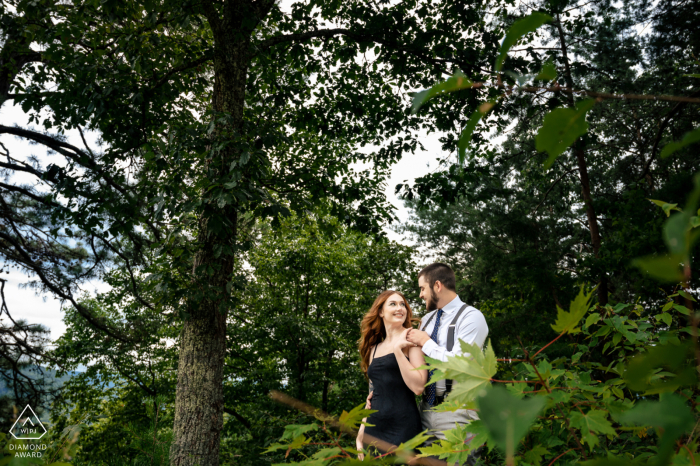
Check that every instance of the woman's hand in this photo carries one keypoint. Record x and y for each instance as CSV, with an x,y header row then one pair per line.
x,y
403,341
360,456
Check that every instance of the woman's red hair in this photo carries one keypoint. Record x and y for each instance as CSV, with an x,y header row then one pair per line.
x,y
372,328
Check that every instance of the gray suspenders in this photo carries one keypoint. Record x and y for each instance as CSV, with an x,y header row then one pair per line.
x,y
450,339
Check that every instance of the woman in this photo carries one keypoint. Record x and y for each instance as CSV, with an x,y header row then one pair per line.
x,y
389,361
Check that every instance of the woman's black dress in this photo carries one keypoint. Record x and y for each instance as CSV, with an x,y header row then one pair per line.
x,y
397,418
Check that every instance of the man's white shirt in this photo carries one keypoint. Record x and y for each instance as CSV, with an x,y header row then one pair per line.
x,y
471,328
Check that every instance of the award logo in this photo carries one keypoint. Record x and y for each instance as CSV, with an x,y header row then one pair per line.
x,y
28,426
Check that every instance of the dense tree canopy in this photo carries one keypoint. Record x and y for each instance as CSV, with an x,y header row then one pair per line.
x,y
521,236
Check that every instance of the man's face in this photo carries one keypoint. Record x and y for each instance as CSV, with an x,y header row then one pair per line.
x,y
427,294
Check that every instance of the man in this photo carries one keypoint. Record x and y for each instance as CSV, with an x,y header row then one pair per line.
x,y
438,289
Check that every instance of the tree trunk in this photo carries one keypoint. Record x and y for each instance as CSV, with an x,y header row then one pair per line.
x,y
326,381
579,151
199,400
199,404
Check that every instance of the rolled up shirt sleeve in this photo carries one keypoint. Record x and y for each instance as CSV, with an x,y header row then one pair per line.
x,y
472,329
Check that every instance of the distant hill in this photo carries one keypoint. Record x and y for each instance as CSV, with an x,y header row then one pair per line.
x,y
49,375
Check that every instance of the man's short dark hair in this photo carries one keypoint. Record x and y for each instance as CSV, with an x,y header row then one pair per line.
x,y
439,272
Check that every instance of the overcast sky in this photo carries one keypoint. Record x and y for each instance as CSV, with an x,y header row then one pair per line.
x,y
25,303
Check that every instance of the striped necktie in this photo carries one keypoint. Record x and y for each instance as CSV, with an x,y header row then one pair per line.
x,y
432,389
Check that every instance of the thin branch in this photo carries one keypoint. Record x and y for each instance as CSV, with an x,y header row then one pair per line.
x,y
552,187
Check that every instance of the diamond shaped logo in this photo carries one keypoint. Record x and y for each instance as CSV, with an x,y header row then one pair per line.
x,y
28,426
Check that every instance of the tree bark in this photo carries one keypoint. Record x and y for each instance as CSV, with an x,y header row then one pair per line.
x,y
579,151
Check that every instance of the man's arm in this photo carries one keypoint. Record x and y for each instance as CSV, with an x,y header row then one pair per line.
x,y
472,329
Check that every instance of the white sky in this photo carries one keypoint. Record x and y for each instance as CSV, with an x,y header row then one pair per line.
x,y
25,303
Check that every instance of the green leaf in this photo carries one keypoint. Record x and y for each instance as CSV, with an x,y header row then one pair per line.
x,y
561,128
643,371
593,422
353,419
471,371
326,453
452,448
415,442
591,319
507,417
689,138
449,406
686,295
567,321
667,207
466,135
293,431
296,443
534,456
675,233
548,72
670,416
664,317
517,31
457,82
664,269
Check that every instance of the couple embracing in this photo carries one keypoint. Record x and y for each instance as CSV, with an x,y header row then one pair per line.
x,y
391,350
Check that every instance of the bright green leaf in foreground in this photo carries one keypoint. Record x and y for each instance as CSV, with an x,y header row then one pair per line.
x,y
466,134
667,207
561,128
548,72
567,321
353,419
471,372
663,268
517,31
452,449
456,83
507,417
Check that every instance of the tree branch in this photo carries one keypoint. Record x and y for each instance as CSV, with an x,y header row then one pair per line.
x,y
240,418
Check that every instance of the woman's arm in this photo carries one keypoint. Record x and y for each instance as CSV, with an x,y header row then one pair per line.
x,y
361,430
415,380
360,436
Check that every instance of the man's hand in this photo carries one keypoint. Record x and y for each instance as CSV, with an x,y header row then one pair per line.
x,y
418,337
368,405
403,341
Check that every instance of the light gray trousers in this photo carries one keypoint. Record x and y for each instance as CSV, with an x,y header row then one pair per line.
x,y
437,423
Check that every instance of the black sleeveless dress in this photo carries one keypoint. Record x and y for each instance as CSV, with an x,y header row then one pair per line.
x,y
397,418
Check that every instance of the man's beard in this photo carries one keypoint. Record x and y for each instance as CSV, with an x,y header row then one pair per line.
x,y
431,302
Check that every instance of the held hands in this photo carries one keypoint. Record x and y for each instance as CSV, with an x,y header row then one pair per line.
x,y
417,337
403,342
